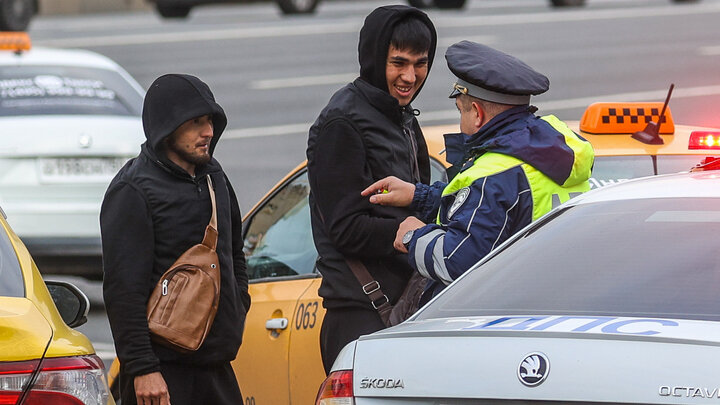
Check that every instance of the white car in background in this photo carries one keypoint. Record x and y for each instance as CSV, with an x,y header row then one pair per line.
x,y
610,298
69,120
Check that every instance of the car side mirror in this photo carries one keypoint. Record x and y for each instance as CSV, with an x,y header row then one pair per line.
x,y
72,303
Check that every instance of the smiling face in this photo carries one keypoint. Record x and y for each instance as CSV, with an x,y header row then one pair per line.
x,y
189,145
405,72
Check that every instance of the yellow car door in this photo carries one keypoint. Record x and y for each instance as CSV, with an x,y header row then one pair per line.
x,y
279,361
262,362
281,266
306,369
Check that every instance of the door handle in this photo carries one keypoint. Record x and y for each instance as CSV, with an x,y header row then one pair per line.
x,y
276,323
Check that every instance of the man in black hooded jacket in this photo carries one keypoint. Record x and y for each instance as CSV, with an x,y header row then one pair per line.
x,y
155,208
367,131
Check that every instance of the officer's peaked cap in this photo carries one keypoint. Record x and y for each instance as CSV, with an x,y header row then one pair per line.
x,y
491,75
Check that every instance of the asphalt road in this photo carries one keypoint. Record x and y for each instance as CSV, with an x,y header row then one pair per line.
x,y
273,74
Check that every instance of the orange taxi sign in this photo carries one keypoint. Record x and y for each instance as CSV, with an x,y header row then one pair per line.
x,y
625,118
14,41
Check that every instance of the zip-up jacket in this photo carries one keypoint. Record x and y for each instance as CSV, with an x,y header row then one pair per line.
x,y
152,212
361,136
519,167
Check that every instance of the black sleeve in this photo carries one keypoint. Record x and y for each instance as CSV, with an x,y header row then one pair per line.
x,y
239,264
337,174
127,242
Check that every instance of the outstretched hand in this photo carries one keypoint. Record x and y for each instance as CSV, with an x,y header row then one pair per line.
x,y
390,191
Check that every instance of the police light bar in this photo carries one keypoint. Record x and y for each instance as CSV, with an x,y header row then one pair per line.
x,y
14,41
625,118
709,163
704,140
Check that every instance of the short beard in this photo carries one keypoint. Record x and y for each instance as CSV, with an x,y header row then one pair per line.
x,y
171,144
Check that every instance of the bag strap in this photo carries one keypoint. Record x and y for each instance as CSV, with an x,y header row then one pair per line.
x,y
211,233
370,286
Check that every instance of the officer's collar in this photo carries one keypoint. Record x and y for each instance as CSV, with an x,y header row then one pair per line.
x,y
459,147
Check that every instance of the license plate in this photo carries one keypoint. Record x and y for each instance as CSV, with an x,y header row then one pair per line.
x,y
82,170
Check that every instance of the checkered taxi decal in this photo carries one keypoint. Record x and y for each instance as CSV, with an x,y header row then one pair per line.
x,y
624,118
635,115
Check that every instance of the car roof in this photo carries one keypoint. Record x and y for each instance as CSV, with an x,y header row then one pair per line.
x,y
705,184
612,144
57,57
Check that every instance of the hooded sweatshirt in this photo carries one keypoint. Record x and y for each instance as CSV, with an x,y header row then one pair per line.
x,y
512,170
152,212
362,136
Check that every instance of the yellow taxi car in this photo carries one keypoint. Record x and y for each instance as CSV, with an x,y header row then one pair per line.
x,y
42,359
282,328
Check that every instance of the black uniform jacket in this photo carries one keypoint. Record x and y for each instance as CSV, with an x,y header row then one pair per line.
x,y
362,136
152,212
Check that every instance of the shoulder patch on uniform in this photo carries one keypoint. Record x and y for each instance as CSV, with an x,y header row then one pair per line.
x,y
460,198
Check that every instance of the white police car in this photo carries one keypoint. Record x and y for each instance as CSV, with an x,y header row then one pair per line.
x,y
610,298
69,120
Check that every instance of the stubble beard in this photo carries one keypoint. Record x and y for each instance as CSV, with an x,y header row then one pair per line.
x,y
197,160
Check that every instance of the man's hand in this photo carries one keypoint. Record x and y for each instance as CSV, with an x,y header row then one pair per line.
x,y
151,389
409,224
390,191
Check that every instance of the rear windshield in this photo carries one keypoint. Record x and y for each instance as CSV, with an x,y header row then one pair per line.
x,y
614,169
11,279
42,90
642,258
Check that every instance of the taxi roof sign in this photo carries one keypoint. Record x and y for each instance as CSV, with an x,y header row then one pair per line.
x,y
14,41
625,118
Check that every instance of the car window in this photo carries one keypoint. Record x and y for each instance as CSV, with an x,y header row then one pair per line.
x,y
674,164
614,169
42,90
437,171
640,258
11,279
278,241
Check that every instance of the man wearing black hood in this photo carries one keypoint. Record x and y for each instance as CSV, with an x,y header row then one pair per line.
x,y
155,208
367,131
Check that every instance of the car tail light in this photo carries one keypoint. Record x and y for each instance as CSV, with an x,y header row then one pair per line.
x,y
704,140
62,381
337,389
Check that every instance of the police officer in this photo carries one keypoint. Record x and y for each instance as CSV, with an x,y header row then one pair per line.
x,y
509,168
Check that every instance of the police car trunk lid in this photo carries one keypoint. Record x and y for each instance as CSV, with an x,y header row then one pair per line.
x,y
529,359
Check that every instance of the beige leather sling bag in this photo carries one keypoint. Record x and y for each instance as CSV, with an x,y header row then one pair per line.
x,y
183,304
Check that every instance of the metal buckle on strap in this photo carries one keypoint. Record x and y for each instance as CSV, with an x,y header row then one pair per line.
x,y
376,306
373,286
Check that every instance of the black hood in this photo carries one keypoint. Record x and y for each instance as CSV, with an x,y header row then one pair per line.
x,y
175,98
375,38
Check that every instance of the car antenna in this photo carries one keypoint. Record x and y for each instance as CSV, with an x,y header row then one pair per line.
x,y
651,133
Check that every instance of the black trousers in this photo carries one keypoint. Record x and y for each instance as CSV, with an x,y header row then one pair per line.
x,y
191,385
343,325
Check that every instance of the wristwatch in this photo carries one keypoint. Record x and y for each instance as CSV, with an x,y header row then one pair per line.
x,y
407,238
